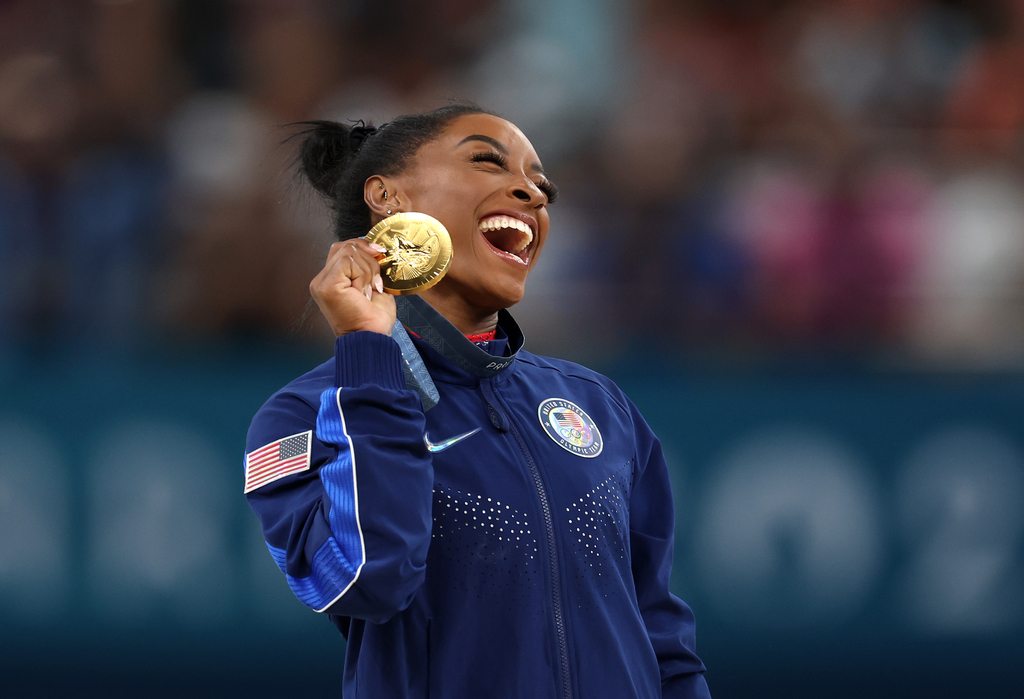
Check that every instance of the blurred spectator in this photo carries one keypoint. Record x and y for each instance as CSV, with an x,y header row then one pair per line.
x,y
971,282
244,257
82,187
986,107
881,62
895,196
772,175
775,212
233,268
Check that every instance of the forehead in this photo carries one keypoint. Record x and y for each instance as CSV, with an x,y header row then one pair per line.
x,y
505,132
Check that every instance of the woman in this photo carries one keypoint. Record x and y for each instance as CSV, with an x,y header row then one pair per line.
x,y
513,540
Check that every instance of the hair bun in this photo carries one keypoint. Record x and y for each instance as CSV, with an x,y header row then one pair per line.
x,y
358,134
326,149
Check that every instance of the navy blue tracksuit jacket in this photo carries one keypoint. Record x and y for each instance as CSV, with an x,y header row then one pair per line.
x,y
513,541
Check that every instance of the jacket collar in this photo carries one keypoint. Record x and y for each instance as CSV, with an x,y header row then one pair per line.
x,y
444,338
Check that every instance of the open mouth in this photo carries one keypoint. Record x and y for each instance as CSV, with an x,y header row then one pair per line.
x,y
509,237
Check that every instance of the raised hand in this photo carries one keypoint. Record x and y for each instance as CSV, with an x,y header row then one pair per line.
x,y
349,289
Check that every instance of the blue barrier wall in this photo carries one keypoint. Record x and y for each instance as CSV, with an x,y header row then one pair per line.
x,y
838,535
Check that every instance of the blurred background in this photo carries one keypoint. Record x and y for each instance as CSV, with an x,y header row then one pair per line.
x,y
793,231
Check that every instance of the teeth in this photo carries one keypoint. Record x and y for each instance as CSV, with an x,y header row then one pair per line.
x,y
492,223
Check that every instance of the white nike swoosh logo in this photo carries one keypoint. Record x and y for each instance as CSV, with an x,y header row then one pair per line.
x,y
444,444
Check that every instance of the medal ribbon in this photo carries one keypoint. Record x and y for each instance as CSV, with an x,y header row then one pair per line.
x,y
434,329
417,377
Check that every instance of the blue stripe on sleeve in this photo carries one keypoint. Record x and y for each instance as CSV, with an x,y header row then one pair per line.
x,y
339,479
330,577
336,564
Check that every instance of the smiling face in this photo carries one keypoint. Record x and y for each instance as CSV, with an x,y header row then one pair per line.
x,y
483,180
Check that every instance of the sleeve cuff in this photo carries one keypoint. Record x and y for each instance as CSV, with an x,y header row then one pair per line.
x,y
366,357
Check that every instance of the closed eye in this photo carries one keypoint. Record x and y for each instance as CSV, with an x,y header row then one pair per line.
x,y
549,189
545,185
490,157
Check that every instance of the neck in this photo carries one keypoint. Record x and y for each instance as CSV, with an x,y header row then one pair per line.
x,y
469,319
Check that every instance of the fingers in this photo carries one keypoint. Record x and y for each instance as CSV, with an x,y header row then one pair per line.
x,y
364,265
350,291
359,273
375,250
350,263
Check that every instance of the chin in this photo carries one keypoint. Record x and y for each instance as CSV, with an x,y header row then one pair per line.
x,y
503,299
497,296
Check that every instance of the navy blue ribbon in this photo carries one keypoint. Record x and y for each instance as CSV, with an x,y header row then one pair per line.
x,y
434,329
417,377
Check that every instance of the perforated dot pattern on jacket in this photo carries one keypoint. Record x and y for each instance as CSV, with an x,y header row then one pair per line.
x,y
599,524
484,547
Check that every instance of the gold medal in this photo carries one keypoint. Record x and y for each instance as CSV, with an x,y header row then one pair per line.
x,y
417,252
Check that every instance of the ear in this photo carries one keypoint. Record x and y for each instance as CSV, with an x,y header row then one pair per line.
x,y
381,195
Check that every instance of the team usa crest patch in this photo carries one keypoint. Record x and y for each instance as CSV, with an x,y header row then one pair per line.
x,y
570,427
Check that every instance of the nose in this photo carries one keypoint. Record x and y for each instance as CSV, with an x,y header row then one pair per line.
x,y
528,192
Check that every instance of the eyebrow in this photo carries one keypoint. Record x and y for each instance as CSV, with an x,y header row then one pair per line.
x,y
486,139
501,148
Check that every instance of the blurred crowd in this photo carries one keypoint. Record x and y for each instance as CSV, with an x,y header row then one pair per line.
x,y
739,178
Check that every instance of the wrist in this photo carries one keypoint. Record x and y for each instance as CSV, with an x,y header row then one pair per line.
x,y
342,332
367,357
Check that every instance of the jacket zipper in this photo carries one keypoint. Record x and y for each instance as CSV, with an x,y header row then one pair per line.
x,y
549,529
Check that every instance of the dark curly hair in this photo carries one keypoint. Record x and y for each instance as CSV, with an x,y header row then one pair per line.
x,y
338,159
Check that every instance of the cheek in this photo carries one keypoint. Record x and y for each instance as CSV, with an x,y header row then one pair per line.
x,y
542,239
462,227
440,185
451,199
448,200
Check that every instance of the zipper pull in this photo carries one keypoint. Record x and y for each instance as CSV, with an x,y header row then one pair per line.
x,y
494,412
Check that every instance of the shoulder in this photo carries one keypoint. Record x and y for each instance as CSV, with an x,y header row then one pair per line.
x,y
311,384
292,409
539,367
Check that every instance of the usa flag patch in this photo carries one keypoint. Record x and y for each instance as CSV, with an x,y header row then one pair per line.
x,y
278,459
